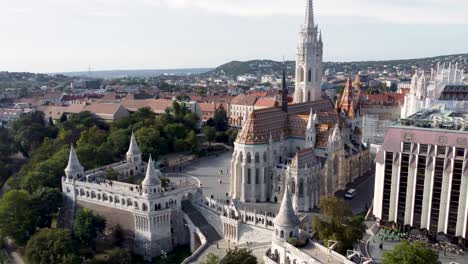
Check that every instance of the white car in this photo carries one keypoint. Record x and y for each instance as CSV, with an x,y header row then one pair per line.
x,y
350,194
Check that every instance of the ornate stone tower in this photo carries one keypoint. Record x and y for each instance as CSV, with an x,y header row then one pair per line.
x,y
309,68
133,153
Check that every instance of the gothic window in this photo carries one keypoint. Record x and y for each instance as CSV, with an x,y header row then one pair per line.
x,y
308,96
257,158
335,166
309,75
282,234
144,207
256,176
301,187
317,74
290,234
301,75
264,157
136,205
249,158
293,187
248,176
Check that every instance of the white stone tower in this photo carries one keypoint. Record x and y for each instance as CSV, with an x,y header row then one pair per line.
x,y
133,153
74,170
311,130
309,67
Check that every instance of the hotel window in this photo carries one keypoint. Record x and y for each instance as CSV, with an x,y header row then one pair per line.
x,y
406,147
454,197
403,186
459,152
423,149
441,150
419,191
436,193
387,185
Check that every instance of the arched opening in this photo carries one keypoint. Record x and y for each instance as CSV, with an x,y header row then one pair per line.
x,y
282,234
317,75
264,157
257,158
249,158
275,199
301,187
308,96
309,75
301,74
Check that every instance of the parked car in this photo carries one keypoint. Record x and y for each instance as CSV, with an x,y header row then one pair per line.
x,y
350,194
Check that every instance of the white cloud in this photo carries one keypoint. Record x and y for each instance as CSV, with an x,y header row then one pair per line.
x,y
396,11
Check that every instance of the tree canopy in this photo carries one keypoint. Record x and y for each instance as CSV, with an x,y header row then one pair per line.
x,y
51,246
411,253
337,223
87,225
239,256
16,217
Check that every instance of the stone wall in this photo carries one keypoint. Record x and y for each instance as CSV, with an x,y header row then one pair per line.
x,y
113,216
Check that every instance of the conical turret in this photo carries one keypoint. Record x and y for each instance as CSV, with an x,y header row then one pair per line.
x,y
151,177
133,153
74,168
286,216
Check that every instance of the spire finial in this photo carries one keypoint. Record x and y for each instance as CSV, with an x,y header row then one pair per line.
x,y
309,19
286,215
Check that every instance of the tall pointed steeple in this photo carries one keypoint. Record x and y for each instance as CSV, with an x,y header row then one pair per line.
x,y
133,153
74,167
151,177
286,216
309,18
312,119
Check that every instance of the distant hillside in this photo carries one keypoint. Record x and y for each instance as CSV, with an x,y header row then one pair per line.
x,y
265,67
135,73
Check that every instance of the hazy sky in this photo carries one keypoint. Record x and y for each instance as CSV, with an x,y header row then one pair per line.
x,y
70,35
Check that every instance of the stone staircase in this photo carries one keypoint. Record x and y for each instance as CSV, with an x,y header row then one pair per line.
x,y
199,221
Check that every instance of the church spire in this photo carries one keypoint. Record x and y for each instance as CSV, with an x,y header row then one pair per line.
x,y
309,18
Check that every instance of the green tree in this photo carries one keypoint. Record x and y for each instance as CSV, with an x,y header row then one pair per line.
x,y
410,253
239,256
211,259
86,227
119,256
51,246
210,133
192,140
337,223
29,131
220,119
45,202
16,218
149,140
